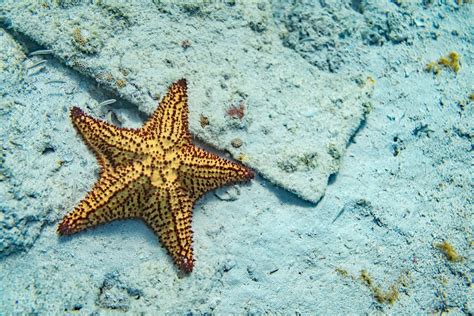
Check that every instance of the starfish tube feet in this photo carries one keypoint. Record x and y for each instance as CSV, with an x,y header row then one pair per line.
x,y
248,174
185,264
65,227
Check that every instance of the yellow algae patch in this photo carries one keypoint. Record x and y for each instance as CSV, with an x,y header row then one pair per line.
x,y
448,250
390,296
384,297
451,61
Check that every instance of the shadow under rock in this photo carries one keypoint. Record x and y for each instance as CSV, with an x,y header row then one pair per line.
x,y
285,196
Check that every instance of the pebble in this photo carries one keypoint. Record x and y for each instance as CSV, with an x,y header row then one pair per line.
x,y
236,142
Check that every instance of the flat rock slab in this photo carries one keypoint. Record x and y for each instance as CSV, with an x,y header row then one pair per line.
x,y
249,95
44,168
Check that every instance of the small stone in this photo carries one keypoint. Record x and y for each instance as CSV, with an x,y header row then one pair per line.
x,y
203,120
185,43
229,265
236,142
227,194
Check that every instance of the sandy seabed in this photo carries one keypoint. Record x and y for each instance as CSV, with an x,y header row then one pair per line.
x,y
363,199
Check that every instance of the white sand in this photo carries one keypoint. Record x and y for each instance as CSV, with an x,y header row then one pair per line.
x,y
404,184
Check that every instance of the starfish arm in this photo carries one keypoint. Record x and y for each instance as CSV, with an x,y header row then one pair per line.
x,y
169,123
169,214
103,160
117,195
111,144
203,171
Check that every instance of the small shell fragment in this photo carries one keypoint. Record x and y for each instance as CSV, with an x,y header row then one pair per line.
x,y
41,52
107,102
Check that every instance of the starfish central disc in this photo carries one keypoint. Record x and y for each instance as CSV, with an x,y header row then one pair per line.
x,y
153,173
162,170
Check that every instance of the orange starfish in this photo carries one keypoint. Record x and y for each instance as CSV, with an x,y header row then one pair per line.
x,y
154,173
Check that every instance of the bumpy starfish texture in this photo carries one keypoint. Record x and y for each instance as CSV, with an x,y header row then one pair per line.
x,y
153,173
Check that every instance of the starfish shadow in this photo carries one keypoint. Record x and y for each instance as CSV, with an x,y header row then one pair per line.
x,y
119,228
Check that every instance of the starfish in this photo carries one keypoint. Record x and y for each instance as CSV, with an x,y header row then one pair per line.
x,y
153,173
